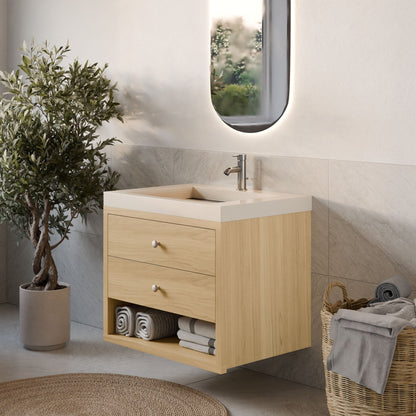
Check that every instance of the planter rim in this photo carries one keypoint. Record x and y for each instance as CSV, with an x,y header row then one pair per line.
x,y
65,287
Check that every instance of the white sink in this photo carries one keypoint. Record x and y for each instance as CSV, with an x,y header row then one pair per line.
x,y
207,202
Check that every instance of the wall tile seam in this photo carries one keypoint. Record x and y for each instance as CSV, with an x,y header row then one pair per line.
x,y
367,162
330,276
275,155
88,325
263,155
210,378
281,377
248,368
328,213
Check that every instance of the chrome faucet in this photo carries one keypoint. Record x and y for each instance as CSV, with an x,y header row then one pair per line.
x,y
240,169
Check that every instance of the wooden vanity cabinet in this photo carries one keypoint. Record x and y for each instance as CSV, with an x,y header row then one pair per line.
x,y
251,277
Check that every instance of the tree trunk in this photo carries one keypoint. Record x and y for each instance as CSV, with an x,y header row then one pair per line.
x,y
44,268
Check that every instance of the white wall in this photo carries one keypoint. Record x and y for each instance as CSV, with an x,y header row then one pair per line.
x,y
3,34
3,66
353,91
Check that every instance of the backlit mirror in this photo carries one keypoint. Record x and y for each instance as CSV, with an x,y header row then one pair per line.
x,y
249,61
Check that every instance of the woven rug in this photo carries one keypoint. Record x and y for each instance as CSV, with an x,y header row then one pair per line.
x,y
103,394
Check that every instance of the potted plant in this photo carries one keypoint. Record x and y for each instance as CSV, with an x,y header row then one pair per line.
x,y
53,169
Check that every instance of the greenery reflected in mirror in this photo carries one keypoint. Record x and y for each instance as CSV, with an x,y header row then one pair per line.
x,y
242,62
236,64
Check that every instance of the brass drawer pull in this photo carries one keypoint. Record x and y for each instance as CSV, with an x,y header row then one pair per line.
x,y
155,243
155,288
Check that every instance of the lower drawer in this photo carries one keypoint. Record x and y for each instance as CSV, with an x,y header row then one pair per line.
x,y
181,292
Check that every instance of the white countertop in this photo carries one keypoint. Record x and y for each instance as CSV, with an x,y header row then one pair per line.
x,y
216,204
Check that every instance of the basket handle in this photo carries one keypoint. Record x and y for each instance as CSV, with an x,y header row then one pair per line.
x,y
326,306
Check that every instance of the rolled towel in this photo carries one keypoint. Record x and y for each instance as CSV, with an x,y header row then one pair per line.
x,y
195,338
392,288
125,320
196,326
154,324
197,347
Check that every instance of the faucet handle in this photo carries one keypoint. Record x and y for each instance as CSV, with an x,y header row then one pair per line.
x,y
241,156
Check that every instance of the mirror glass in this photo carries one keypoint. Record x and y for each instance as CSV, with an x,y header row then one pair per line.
x,y
249,61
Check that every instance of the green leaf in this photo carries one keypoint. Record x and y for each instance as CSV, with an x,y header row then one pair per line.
x,y
49,144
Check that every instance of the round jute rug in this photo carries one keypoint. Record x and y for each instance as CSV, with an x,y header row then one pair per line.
x,y
92,394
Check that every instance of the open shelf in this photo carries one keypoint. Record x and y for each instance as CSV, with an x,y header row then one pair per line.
x,y
166,347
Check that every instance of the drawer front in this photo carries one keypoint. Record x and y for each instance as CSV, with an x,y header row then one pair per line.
x,y
180,246
180,292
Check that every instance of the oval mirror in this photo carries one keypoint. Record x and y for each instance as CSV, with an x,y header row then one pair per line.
x,y
250,61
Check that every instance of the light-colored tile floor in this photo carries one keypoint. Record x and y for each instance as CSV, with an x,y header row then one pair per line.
x,y
243,392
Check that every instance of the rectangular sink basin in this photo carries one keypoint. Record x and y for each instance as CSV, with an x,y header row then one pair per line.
x,y
207,202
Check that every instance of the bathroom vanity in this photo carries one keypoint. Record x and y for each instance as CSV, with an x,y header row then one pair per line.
x,y
239,259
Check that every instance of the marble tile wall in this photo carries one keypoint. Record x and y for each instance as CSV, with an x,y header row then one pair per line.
x,y
363,230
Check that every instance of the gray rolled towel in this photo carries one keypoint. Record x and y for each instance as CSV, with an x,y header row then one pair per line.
x,y
125,320
392,288
152,324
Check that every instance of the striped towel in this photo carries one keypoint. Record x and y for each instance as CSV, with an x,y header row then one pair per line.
x,y
196,339
154,324
197,347
196,326
125,317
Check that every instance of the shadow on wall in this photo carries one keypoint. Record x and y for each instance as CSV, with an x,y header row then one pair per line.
x,y
140,166
150,110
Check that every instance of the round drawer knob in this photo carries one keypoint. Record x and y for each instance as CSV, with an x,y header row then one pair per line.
x,y
155,243
155,288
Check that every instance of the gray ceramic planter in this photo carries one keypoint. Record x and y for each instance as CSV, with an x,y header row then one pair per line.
x,y
44,318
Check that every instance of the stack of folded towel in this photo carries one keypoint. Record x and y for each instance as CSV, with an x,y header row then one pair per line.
x,y
197,335
146,323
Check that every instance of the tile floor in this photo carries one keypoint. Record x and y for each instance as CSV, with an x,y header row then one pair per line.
x,y
242,391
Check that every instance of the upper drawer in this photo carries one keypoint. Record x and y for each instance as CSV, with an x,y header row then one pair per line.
x,y
180,246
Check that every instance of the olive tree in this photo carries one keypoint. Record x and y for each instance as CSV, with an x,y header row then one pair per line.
x,y
53,167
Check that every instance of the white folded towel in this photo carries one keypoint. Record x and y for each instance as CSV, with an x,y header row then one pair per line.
x,y
195,338
197,347
125,320
196,326
154,324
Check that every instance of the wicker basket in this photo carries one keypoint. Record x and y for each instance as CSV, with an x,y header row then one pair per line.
x,y
346,398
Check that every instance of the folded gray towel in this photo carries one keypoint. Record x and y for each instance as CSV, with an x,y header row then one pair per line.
x,y
196,326
364,345
197,347
400,308
195,338
125,320
392,288
152,324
